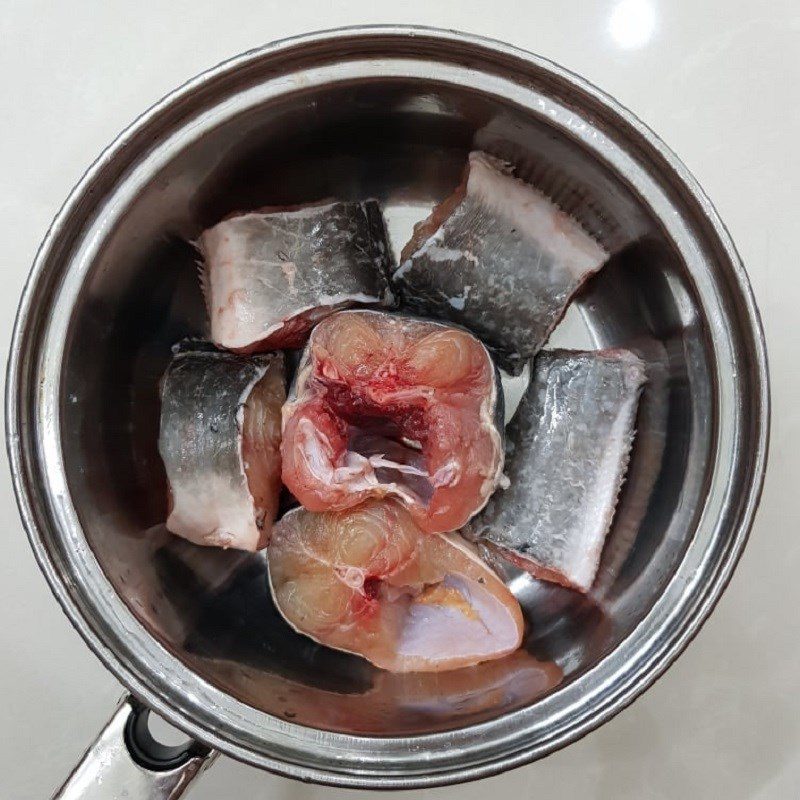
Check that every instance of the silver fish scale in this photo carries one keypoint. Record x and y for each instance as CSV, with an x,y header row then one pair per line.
x,y
481,272
291,261
200,434
569,445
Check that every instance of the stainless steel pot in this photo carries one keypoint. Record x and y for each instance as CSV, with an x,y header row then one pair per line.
x,y
386,112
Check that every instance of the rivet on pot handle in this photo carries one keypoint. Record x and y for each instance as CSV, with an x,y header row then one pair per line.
x,y
126,762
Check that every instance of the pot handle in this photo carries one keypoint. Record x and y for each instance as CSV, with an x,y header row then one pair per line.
x,y
125,761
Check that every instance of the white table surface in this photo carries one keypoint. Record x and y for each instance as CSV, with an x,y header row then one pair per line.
x,y
719,80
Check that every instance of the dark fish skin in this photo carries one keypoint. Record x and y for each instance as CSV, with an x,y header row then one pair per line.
x,y
269,276
567,453
500,258
205,397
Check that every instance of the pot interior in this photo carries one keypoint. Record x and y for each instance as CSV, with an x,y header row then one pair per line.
x,y
404,142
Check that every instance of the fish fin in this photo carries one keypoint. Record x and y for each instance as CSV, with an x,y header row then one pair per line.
x,y
572,196
576,200
568,195
202,276
202,271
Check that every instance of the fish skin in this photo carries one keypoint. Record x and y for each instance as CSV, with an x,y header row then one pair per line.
x,y
219,441
368,581
645,465
474,420
567,453
499,258
269,276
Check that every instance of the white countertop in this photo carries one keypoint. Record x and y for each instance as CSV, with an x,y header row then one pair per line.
x,y
719,81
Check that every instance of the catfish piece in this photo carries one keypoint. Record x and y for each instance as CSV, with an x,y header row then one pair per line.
x,y
499,258
369,582
269,276
393,406
220,444
568,450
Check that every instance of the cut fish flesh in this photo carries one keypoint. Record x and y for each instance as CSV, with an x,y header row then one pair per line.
x,y
394,406
498,257
369,582
220,444
568,450
269,276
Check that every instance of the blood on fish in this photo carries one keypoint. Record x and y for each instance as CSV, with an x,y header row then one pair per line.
x,y
391,406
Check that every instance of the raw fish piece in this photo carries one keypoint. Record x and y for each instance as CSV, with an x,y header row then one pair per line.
x,y
498,257
271,275
220,444
568,449
393,406
369,582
